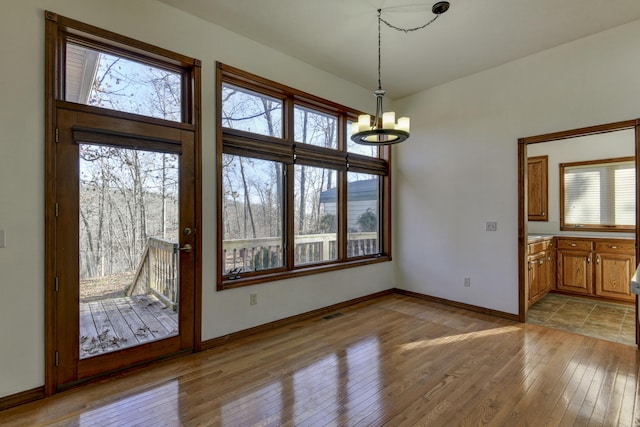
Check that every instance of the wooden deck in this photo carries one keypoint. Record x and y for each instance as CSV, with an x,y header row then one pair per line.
x,y
116,323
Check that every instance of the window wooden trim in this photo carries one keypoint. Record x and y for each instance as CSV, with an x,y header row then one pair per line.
x,y
591,227
289,152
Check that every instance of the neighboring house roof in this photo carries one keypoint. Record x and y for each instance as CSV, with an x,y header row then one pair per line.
x,y
82,64
366,189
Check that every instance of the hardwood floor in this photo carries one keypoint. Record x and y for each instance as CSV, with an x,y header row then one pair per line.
x,y
391,361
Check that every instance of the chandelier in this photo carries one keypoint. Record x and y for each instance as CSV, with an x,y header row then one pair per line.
x,y
384,130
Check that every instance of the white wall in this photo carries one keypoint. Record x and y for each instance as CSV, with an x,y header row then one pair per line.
x,y
459,169
22,175
579,149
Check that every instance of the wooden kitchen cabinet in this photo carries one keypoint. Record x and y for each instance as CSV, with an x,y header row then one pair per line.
x,y
540,269
596,267
551,265
537,277
615,263
574,272
537,189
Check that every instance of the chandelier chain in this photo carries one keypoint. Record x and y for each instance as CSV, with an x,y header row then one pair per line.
x,y
404,30
379,55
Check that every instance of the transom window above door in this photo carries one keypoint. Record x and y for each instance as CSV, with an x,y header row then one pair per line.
x,y
99,74
108,80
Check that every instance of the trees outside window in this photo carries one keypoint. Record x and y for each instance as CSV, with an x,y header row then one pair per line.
x,y
127,196
114,82
294,195
251,214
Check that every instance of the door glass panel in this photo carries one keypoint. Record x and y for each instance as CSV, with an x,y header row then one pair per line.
x,y
109,81
129,272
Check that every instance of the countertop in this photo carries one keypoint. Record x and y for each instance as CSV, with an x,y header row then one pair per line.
x,y
532,238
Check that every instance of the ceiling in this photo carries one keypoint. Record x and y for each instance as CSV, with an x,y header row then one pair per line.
x,y
340,36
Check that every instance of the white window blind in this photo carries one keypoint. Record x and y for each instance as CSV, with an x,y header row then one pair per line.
x,y
600,194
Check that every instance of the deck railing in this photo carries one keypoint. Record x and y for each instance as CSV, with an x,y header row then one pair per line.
x,y
264,253
157,272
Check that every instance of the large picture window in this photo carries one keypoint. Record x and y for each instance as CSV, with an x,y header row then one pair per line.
x,y
598,195
295,195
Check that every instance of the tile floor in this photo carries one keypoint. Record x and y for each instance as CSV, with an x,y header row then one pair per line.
x,y
604,320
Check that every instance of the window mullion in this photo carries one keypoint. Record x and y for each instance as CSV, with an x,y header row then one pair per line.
x,y
385,209
342,190
342,216
289,215
342,133
289,132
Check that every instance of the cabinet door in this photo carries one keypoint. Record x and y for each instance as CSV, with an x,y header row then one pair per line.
x,y
574,271
551,268
537,189
613,275
538,274
530,278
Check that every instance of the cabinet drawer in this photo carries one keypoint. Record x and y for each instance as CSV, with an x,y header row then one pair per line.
x,y
616,246
583,245
536,247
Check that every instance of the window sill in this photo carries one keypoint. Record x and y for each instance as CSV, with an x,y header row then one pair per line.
x,y
226,283
599,228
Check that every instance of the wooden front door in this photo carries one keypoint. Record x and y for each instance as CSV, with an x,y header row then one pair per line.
x,y
125,241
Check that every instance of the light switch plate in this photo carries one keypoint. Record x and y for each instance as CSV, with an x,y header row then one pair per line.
x,y
2,238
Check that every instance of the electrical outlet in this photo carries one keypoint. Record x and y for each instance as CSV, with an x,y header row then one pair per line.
x,y
253,299
492,226
467,282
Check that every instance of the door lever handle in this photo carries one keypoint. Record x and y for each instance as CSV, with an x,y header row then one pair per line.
x,y
186,248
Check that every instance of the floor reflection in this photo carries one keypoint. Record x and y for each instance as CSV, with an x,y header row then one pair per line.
x,y
159,405
332,389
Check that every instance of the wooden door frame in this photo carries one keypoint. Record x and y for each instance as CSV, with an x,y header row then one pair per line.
x,y
522,195
56,28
